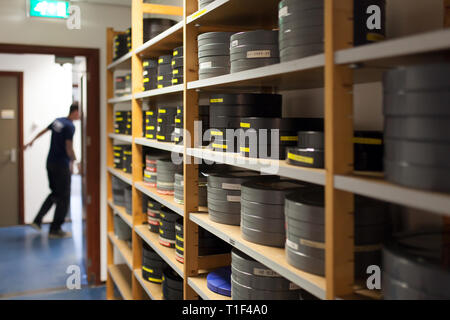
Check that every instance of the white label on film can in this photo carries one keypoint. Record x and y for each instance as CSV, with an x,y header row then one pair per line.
x,y
265,273
234,43
234,198
258,54
283,12
291,244
206,65
231,186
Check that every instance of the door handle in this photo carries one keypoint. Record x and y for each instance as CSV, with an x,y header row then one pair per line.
x,y
13,155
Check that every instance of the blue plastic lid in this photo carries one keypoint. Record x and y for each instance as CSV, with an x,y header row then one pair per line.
x,y
219,281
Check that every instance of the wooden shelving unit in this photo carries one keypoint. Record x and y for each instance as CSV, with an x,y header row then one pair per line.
x,y
337,70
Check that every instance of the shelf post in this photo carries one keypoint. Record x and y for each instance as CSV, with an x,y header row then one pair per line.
x,y
137,15
339,211
190,103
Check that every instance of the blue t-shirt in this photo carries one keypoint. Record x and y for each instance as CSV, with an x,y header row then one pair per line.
x,y
62,130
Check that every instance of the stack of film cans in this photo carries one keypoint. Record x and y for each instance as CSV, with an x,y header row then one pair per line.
x,y
118,191
208,243
127,198
177,66
260,135
151,171
167,219
226,111
150,74
415,267
121,229
253,49
213,54
251,280
166,123
122,85
164,78
262,210
151,124
305,231
204,3
165,179
122,157
310,150
172,285
152,265
129,42
122,122
154,26
179,189
224,195
153,212
179,124
417,127
120,46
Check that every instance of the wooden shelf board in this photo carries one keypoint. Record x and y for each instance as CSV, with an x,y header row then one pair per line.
x,y
126,98
248,14
121,276
266,166
274,258
123,63
122,213
305,73
167,254
163,43
153,290
159,92
121,137
168,146
386,191
199,285
125,177
123,248
165,200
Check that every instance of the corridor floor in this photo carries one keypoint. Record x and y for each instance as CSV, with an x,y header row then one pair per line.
x,y
32,266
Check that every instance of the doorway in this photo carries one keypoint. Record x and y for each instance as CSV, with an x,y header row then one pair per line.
x,y
90,144
11,160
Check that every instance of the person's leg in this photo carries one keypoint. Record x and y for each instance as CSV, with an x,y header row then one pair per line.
x,y
48,203
62,195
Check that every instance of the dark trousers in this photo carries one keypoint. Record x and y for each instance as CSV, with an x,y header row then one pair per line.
x,y
59,178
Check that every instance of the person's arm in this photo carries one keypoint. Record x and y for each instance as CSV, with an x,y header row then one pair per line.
x,y
40,134
70,151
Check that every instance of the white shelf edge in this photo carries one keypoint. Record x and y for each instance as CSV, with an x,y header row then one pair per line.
x,y
207,9
125,98
429,201
159,145
262,165
415,44
121,137
160,253
307,285
293,66
121,176
197,289
156,197
159,37
121,60
158,92
143,284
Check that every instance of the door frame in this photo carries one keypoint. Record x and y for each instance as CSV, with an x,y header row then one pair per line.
x,y
19,76
91,187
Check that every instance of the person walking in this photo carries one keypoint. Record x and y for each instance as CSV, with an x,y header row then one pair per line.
x,y
60,161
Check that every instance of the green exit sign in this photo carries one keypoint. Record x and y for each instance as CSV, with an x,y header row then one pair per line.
x,y
49,9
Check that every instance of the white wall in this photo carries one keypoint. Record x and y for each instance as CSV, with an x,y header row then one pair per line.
x,y
47,95
15,27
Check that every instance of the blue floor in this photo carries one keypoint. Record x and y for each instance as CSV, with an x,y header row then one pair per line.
x,y
32,266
